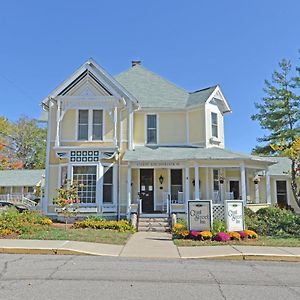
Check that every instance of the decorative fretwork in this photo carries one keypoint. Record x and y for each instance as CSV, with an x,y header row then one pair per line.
x,y
85,156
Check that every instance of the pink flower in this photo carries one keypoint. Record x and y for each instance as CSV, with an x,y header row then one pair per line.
x,y
243,235
194,233
222,237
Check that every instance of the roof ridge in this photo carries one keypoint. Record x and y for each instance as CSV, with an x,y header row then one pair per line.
x,y
204,89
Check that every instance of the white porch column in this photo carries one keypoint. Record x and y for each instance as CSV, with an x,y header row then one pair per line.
x,y
115,183
207,183
243,182
268,187
130,127
197,187
187,184
128,191
256,192
115,126
57,142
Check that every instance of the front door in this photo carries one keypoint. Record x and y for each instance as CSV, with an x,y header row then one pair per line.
x,y
147,190
281,193
234,187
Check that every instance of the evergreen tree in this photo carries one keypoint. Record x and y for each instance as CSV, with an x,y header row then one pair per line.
x,y
279,114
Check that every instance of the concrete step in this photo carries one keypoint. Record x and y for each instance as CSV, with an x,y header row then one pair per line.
x,y
154,228
153,219
153,223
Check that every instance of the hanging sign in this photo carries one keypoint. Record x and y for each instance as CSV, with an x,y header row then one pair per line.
x,y
200,215
234,215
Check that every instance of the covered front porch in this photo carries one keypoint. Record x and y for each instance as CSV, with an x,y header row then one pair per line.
x,y
166,186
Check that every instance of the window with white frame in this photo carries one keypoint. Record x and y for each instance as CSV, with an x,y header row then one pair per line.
x,y
63,175
151,129
108,185
90,124
176,186
214,124
86,178
216,183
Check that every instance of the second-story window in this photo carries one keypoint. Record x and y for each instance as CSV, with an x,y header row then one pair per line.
x,y
83,124
90,124
214,124
151,129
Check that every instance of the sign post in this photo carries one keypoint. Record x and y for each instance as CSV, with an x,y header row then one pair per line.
x,y
234,215
200,215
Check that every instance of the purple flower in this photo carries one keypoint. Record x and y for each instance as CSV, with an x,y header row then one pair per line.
x,y
243,235
222,237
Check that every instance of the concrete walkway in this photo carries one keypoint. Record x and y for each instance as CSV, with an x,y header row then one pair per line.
x,y
150,245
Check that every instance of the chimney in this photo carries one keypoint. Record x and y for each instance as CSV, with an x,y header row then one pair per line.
x,y
135,62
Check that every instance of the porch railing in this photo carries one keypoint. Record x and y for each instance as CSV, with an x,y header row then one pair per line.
x,y
25,199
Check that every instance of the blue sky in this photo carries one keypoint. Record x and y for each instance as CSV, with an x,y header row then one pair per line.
x,y
194,44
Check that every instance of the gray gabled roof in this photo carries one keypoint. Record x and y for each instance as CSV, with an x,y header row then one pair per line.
x,y
200,97
142,153
152,90
21,177
282,167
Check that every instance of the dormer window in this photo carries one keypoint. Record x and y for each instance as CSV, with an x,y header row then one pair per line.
x,y
151,129
214,124
90,125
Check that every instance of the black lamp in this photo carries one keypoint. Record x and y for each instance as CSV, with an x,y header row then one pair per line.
x,y
161,179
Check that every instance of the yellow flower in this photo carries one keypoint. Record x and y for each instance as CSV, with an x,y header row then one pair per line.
x,y
251,234
205,235
234,235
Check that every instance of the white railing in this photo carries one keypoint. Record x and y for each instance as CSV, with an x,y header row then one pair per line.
x,y
25,199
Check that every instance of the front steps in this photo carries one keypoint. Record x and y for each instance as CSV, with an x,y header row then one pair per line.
x,y
153,224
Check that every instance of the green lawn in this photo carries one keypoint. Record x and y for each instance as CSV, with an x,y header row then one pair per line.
x,y
261,241
83,235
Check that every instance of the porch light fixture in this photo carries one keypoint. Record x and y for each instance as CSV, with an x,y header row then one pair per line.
x,y
221,179
256,179
161,179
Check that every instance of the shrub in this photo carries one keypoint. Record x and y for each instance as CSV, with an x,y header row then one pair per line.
x,y
234,235
4,232
205,235
179,231
219,226
46,221
222,237
121,226
273,221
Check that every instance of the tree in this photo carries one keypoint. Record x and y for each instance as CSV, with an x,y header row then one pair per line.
x,y
279,114
24,142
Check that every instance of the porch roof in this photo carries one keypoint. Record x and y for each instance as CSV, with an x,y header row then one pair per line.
x,y
143,153
21,177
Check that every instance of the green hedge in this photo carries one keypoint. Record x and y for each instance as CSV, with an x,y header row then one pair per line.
x,y
96,223
273,221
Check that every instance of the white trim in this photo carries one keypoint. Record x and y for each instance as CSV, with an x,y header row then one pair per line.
x,y
243,183
187,184
207,183
197,186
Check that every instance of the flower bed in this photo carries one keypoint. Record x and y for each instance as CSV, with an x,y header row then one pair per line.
x,y
179,231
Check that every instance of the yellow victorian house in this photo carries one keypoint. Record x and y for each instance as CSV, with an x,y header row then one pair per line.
x,y
137,136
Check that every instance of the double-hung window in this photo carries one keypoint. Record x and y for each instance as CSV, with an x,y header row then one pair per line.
x,y
108,185
90,124
151,129
214,124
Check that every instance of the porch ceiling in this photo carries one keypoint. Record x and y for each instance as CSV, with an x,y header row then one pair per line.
x,y
142,153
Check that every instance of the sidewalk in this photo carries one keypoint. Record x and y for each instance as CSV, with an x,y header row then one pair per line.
x,y
150,245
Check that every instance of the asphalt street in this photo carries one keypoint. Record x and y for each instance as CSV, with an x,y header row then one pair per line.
x,y
93,277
